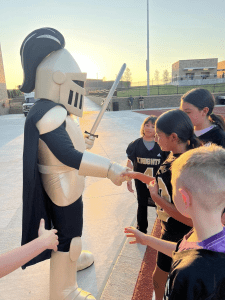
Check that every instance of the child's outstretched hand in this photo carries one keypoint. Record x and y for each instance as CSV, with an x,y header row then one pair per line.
x,y
137,175
129,175
139,237
49,237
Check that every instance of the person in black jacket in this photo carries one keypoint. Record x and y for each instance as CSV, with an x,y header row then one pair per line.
x,y
131,101
141,102
198,260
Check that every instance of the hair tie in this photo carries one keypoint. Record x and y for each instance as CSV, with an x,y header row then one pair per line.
x,y
192,139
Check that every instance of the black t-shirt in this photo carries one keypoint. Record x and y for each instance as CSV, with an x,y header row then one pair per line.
x,y
145,161
216,135
196,274
163,178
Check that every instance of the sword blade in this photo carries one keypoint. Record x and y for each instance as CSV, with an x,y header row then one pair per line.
x,y
107,99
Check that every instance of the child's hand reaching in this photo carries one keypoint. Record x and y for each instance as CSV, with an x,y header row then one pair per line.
x,y
49,237
129,175
139,237
137,175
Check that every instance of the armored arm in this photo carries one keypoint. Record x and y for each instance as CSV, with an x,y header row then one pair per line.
x,y
98,166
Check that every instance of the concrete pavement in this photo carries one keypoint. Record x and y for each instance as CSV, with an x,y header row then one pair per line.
x,y
107,210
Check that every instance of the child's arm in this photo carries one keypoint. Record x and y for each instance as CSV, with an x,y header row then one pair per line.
x,y
140,176
160,245
129,164
16,258
168,207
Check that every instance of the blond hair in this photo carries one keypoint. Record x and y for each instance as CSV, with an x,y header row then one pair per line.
x,y
202,172
151,119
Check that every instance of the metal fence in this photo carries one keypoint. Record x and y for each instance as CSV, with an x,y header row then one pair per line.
x,y
167,89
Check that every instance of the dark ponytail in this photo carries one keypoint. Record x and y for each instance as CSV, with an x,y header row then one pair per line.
x,y
217,120
202,98
193,142
177,121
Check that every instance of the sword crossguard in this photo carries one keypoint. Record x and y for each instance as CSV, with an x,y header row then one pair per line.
x,y
94,135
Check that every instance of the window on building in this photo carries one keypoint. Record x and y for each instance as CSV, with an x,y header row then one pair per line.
x,y
205,75
190,76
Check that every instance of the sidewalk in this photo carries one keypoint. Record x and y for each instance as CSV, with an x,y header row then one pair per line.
x,y
107,210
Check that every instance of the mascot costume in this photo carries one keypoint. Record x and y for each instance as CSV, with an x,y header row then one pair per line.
x,y
55,160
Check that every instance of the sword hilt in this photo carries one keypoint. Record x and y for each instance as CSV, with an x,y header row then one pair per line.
x,y
94,135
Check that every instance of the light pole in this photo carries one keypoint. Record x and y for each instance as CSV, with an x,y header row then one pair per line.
x,y
147,61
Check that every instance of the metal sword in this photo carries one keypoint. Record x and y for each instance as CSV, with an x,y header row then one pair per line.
x,y
106,102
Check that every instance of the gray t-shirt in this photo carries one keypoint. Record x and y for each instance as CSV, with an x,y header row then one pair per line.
x,y
149,145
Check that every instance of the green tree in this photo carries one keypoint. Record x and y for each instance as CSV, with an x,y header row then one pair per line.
x,y
127,77
165,76
156,75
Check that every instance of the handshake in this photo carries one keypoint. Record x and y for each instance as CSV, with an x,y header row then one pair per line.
x,y
117,173
149,180
98,166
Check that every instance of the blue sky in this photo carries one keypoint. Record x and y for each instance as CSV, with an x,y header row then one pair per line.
x,y
102,35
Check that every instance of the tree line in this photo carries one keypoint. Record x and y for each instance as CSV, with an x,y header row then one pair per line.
x,y
127,76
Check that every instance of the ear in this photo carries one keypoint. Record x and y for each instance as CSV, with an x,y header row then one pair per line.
x,y
205,111
186,197
174,137
59,77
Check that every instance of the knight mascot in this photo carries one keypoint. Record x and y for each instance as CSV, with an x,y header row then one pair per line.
x,y
55,159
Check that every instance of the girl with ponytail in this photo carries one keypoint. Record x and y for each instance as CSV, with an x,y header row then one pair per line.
x,y
174,133
198,104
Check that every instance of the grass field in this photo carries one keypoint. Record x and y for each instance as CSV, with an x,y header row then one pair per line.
x,y
168,90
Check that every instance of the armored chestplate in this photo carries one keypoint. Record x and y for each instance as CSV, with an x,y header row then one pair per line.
x,y
62,183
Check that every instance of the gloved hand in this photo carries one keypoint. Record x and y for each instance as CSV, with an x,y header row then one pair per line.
x,y
89,140
114,173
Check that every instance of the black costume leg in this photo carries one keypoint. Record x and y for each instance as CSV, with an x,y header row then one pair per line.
x,y
68,220
142,218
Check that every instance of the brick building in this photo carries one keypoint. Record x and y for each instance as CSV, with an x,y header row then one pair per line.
x,y
221,69
193,69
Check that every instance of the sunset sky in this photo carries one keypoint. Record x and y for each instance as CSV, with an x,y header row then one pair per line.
x,y
103,34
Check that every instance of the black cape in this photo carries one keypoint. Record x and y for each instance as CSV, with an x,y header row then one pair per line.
x,y
35,200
